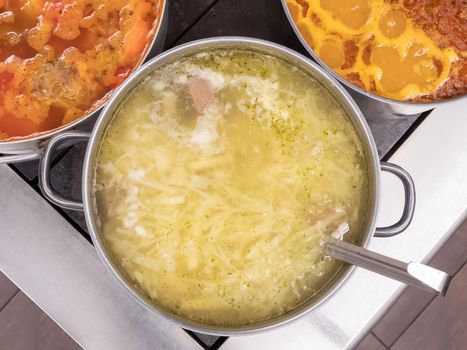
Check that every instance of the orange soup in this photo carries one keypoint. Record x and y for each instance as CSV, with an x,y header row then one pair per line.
x,y
59,59
407,50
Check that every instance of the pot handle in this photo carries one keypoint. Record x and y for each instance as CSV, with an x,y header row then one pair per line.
x,y
69,138
20,157
409,201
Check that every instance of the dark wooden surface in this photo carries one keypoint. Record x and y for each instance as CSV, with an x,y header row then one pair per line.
x,y
23,326
406,309
371,343
443,324
7,291
420,321
191,20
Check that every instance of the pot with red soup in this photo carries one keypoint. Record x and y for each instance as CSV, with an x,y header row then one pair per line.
x,y
60,61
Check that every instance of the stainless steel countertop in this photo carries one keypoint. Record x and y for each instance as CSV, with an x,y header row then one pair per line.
x,y
60,271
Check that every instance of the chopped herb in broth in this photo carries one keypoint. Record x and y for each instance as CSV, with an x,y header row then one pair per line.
x,y
218,179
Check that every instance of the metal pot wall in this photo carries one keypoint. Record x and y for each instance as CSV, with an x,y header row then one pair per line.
x,y
398,107
95,138
30,148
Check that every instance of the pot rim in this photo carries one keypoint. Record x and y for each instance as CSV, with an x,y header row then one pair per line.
x,y
44,135
425,105
353,113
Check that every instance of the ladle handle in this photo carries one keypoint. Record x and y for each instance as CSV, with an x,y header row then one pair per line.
x,y
414,274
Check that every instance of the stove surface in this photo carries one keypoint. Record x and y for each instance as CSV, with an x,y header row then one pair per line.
x,y
195,19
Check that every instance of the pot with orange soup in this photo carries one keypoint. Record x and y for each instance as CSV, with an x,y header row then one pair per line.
x,y
409,54
60,61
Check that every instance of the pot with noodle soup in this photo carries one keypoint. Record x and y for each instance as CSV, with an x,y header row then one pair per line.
x,y
61,61
213,177
410,55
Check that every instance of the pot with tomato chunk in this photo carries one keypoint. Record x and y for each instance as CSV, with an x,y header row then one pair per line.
x,y
60,61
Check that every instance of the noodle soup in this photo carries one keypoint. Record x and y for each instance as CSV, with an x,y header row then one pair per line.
x,y
218,180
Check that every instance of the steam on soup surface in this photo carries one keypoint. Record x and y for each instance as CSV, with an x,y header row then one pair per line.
x,y
218,179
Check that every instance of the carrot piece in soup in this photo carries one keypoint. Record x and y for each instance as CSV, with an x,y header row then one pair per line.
x,y
136,36
135,39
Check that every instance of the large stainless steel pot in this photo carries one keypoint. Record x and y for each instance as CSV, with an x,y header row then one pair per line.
x,y
94,140
398,107
29,148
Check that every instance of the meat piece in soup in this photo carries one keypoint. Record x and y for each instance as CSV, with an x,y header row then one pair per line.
x,y
201,93
231,168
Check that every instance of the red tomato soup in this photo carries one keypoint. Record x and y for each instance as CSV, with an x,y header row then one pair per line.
x,y
59,59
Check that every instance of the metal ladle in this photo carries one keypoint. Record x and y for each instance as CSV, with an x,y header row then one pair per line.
x,y
413,273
